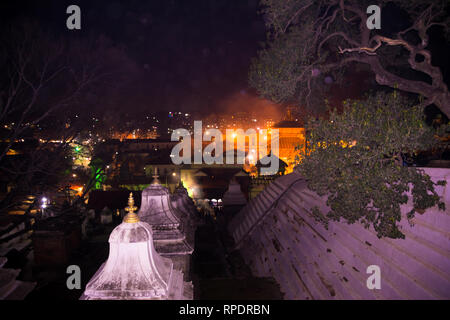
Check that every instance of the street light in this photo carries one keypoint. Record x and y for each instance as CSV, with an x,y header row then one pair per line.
x,y
44,202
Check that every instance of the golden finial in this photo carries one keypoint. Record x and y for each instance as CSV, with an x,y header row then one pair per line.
x,y
131,217
155,177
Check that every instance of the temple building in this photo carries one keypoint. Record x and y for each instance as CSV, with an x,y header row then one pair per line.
x,y
168,232
134,270
291,136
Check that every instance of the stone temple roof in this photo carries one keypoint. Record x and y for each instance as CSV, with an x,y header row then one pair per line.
x,y
131,233
288,124
157,210
134,270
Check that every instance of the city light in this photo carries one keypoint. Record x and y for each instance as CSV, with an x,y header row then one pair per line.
x,y
44,202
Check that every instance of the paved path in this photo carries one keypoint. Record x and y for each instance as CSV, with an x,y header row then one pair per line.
x,y
219,274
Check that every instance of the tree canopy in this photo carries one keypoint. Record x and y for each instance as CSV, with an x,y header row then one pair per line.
x,y
356,159
310,42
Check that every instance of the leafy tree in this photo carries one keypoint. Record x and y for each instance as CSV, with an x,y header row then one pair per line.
x,y
355,157
312,42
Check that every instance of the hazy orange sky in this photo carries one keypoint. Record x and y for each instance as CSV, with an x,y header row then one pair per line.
x,y
245,102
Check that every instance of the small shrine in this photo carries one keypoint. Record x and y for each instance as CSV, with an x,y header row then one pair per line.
x,y
167,225
234,196
134,269
189,215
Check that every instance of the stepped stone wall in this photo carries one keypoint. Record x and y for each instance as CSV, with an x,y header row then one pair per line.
x,y
278,237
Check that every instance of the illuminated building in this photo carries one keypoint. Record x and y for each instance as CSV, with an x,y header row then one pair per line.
x,y
268,123
291,135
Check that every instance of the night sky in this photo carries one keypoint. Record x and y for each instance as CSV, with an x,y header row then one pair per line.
x,y
187,55
190,55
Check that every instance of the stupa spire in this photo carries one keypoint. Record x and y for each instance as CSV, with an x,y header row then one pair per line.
x,y
134,269
155,177
131,217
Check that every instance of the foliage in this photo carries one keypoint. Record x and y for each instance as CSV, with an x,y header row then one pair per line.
x,y
281,64
98,176
355,157
313,43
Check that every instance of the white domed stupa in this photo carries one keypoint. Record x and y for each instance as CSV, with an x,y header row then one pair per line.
x,y
168,234
134,270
